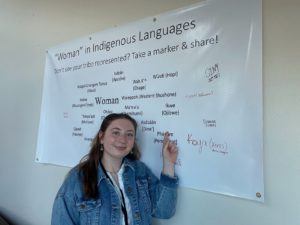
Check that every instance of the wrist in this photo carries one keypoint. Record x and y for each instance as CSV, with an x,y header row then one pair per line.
x,y
169,168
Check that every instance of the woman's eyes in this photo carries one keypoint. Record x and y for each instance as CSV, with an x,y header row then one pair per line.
x,y
118,133
130,135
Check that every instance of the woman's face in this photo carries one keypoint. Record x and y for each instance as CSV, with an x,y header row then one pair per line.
x,y
118,139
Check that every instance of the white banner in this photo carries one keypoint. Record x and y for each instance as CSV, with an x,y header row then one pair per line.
x,y
196,72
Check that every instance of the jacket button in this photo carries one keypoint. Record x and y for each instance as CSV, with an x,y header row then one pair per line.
x,y
137,215
129,189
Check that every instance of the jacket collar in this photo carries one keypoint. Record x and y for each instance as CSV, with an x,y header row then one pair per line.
x,y
128,163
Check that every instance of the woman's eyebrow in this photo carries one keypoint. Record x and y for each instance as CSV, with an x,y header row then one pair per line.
x,y
117,128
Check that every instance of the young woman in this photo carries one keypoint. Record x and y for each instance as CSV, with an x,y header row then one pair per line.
x,y
111,186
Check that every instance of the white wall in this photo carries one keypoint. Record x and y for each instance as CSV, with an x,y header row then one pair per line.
x,y
29,27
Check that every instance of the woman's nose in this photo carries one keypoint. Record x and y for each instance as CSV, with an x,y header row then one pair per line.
x,y
122,138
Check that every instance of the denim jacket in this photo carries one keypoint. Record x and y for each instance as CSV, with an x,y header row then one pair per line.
x,y
148,197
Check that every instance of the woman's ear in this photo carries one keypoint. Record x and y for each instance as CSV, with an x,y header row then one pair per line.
x,y
100,135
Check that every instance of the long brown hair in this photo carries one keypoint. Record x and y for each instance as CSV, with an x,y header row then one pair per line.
x,y
88,166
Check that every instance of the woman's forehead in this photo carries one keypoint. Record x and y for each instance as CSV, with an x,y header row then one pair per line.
x,y
122,124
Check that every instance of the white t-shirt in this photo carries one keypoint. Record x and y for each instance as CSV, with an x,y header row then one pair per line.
x,y
118,190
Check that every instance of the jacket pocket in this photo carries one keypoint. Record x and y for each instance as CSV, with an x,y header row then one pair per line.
x,y
89,211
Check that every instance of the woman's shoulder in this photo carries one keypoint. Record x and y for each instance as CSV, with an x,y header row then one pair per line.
x,y
135,164
72,183
140,168
73,175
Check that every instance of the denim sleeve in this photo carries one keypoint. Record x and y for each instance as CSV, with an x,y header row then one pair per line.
x,y
163,194
64,211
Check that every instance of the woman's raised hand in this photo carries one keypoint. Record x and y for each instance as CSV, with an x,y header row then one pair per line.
x,y
170,153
